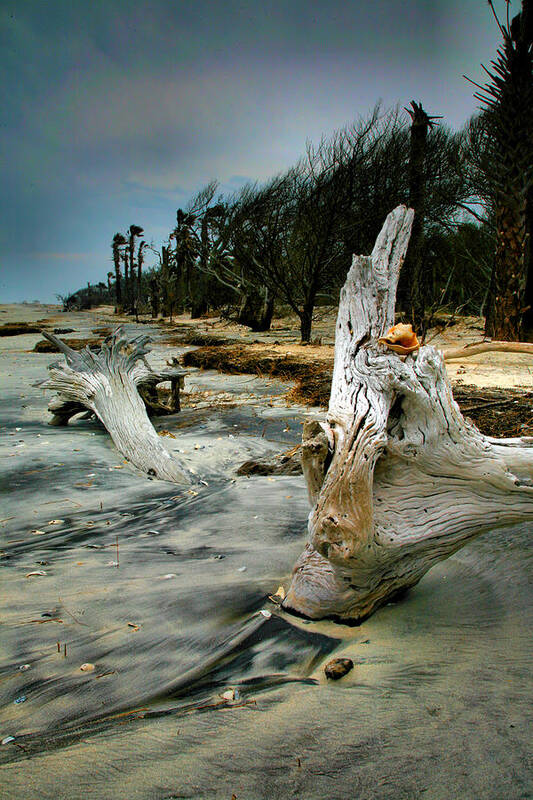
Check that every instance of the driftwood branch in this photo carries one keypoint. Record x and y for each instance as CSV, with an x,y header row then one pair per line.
x,y
107,384
475,348
406,481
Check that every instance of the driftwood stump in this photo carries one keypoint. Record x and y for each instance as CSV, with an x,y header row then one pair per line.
x,y
398,478
108,383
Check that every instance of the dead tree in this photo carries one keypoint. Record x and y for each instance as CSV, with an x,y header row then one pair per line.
x,y
109,384
398,478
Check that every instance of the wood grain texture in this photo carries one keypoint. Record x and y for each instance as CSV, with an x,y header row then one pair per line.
x,y
106,382
409,480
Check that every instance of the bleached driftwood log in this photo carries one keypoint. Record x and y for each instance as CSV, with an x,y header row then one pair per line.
x,y
399,479
63,409
107,383
475,348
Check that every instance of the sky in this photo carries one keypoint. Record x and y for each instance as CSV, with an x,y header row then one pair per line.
x,y
116,112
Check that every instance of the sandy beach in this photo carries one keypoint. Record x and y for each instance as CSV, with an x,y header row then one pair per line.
x,y
198,685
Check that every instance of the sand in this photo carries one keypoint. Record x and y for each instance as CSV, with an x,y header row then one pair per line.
x,y
437,705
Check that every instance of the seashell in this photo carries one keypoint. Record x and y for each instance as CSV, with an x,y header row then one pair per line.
x,y
401,338
35,573
87,667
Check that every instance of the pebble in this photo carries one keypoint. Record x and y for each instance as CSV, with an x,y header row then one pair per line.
x,y
338,668
24,667
19,700
231,694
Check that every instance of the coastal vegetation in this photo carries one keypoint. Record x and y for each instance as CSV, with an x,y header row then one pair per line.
x,y
289,240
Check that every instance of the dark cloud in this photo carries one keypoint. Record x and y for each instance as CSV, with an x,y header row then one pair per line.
x,y
116,112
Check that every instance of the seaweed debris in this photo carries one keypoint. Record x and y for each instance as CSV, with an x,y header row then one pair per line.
x,y
313,379
18,328
496,412
44,346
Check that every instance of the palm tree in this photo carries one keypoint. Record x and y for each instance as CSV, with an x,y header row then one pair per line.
x,y
414,281
118,241
134,232
508,99
140,261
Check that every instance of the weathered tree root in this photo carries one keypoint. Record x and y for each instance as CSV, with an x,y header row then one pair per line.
x,y
107,384
399,478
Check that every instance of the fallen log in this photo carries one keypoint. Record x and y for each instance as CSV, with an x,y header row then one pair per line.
x,y
476,348
107,383
399,479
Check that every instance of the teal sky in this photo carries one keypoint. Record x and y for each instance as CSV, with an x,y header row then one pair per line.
x,y
118,112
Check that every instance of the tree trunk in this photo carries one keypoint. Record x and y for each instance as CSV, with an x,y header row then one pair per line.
x,y
140,261
414,283
306,318
131,289
166,288
126,281
154,297
399,479
528,268
106,383
199,305
118,292
504,320
267,312
256,310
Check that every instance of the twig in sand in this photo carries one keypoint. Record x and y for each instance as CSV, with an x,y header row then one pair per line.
x,y
79,622
488,404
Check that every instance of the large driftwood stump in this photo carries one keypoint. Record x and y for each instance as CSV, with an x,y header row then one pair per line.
x,y
399,479
107,384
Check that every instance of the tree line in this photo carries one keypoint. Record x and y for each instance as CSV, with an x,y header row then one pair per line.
x,y
290,239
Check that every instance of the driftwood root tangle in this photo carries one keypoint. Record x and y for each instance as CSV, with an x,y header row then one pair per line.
x,y
107,383
400,480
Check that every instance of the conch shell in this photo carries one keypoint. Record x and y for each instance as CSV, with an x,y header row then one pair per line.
x,y
401,338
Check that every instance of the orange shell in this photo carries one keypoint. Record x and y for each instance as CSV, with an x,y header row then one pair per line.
x,y
401,338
